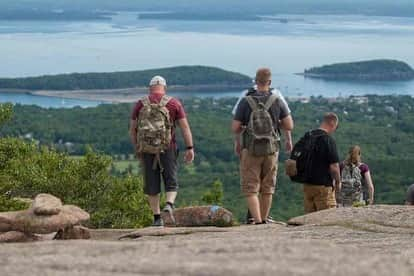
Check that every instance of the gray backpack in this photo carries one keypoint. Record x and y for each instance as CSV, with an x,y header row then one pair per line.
x,y
351,180
260,138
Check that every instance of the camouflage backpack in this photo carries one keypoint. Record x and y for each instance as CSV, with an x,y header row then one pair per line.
x,y
154,126
351,179
260,138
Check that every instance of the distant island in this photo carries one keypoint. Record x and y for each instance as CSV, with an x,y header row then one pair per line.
x,y
196,77
125,86
372,70
200,16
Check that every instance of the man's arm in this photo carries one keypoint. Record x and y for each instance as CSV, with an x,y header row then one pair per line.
x,y
287,125
236,128
336,175
188,140
133,132
288,141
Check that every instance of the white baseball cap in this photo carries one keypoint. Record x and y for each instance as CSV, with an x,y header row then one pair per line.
x,y
158,80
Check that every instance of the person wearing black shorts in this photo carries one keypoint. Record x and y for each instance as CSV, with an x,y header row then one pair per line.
x,y
166,166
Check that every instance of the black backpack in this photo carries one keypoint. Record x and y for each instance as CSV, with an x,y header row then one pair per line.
x,y
301,158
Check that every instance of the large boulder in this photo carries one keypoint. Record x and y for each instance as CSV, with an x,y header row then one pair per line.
x,y
45,204
389,217
199,216
28,222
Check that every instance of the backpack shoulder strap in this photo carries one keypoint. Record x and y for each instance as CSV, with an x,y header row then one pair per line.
x,y
164,100
145,101
272,98
252,103
250,91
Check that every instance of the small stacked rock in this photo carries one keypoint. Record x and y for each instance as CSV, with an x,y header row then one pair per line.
x,y
47,215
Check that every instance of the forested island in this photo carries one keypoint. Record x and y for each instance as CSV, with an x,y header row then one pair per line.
x,y
196,77
372,70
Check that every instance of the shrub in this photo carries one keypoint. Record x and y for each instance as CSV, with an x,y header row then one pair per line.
x,y
27,170
214,195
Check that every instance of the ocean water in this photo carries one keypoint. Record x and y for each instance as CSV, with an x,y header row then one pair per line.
x,y
32,48
44,101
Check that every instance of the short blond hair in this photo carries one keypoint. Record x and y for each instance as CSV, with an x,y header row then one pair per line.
x,y
263,76
330,118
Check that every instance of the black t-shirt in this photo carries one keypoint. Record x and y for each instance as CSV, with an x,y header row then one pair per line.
x,y
279,110
325,154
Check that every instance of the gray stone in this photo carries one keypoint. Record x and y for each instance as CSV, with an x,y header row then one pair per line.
x,y
45,204
247,250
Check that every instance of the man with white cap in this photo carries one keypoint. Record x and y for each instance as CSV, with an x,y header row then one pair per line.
x,y
152,132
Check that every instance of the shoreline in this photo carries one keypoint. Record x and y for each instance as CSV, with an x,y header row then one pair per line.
x,y
123,95
356,77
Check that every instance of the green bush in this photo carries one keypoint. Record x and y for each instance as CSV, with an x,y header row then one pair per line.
x,y
112,202
27,170
214,195
7,204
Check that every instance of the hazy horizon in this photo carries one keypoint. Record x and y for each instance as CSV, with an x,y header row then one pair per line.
x,y
369,7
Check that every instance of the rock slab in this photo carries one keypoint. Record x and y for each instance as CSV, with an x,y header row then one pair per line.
x,y
387,217
15,236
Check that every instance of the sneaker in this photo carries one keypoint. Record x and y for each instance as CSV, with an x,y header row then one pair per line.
x,y
158,223
249,218
269,219
170,210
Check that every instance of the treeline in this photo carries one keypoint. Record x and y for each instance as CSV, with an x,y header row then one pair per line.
x,y
182,75
381,125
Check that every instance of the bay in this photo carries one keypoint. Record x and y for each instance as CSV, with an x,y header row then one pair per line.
x,y
32,48
44,101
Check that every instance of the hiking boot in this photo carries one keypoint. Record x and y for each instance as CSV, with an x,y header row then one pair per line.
x,y
169,209
158,222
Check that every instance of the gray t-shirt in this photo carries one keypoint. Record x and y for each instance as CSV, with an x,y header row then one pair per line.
x,y
273,91
410,195
279,110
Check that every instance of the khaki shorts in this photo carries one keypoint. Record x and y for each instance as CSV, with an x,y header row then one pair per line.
x,y
318,197
258,174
